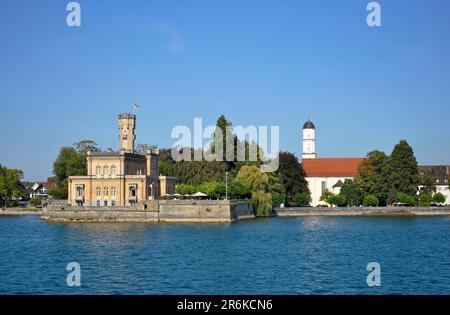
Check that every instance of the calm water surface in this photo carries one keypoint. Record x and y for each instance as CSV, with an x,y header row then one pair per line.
x,y
313,255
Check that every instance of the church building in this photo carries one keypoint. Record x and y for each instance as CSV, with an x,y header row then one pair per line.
x,y
328,174
324,174
121,178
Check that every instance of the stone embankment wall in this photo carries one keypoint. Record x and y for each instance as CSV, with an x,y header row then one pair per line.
x,y
363,211
156,210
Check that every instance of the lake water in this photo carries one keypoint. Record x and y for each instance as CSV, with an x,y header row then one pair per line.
x,y
311,255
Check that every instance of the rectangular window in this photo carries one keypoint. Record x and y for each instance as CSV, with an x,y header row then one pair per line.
x,y
105,203
113,203
98,203
324,187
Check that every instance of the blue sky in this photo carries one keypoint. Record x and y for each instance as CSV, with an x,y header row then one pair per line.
x,y
258,62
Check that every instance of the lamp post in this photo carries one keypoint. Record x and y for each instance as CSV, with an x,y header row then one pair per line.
x,y
226,185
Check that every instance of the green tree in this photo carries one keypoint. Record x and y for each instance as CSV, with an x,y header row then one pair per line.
x,y
337,200
239,191
402,172
291,175
405,199
424,200
69,162
252,177
370,201
278,199
438,198
391,196
428,182
10,185
301,199
217,190
223,137
351,192
185,189
84,146
324,197
371,179
35,202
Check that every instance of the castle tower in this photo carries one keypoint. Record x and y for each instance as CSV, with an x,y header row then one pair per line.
x,y
309,140
127,125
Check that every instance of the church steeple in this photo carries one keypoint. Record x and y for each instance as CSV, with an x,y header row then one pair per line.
x,y
309,140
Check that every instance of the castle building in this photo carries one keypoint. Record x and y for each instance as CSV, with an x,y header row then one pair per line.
x,y
324,174
121,178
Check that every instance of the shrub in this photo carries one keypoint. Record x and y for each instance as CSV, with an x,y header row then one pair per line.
x,y
278,199
424,200
325,196
214,190
337,200
185,189
370,201
239,191
301,199
406,199
35,202
439,198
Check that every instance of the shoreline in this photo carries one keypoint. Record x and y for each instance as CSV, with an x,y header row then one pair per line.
x,y
32,211
362,211
277,212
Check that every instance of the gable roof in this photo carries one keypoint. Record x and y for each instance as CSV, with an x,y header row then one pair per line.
x,y
331,167
46,185
338,184
50,185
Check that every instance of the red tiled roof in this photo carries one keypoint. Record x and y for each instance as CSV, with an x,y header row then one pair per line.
x,y
331,167
49,185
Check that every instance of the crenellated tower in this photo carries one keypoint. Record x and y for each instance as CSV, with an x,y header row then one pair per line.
x,y
127,126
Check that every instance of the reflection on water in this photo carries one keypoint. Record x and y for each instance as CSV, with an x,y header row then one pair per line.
x,y
321,255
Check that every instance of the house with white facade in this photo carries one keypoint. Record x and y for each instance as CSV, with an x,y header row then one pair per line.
x,y
442,175
40,190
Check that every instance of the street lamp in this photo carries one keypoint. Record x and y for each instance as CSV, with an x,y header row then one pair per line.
x,y
226,185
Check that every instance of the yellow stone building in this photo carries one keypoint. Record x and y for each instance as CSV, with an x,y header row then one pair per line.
x,y
122,178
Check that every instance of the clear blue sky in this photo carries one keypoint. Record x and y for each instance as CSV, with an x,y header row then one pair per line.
x,y
257,62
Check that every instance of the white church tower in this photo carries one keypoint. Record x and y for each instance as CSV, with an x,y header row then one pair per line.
x,y
309,140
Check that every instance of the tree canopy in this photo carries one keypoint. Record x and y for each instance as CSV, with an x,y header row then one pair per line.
x,y
402,172
71,161
10,185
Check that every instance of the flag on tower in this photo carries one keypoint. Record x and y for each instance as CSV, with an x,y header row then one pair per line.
x,y
136,106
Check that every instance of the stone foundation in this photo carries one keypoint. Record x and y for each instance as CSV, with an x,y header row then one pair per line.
x,y
363,211
156,211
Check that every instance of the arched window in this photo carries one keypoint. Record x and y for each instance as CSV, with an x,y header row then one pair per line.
x,y
113,191
105,170
113,170
98,170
